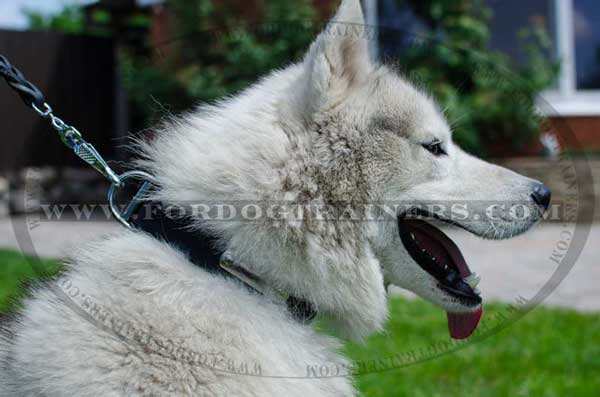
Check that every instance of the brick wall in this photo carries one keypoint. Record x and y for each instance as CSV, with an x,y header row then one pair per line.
x,y
586,131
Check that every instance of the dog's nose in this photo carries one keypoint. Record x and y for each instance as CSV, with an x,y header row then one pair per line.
x,y
542,195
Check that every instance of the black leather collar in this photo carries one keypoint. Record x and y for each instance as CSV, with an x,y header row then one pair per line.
x,y
201,249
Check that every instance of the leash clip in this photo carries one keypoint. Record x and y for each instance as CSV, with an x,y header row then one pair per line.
x,y
124,217
73,139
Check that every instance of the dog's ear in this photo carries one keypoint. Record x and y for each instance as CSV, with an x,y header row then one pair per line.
x,y
338,58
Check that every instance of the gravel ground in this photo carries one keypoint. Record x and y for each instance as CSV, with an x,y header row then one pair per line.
x,y
509,269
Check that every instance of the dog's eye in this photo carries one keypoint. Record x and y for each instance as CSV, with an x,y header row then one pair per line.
x,y
435,148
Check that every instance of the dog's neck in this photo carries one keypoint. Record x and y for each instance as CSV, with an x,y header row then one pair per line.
x,y
266,155
204,251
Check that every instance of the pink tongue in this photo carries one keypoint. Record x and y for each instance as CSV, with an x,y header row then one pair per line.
x,y
463,325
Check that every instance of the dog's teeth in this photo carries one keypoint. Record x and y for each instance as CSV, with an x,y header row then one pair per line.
x,y
473,280
412,236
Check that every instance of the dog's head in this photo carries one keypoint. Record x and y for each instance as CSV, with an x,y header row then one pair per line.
x,y
340,130
374,128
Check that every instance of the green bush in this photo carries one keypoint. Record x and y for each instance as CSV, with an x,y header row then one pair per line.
x,y
216,52
487,96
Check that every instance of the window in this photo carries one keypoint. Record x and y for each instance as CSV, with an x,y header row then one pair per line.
x,y
578,41
399,26
510,17
572,24
586,15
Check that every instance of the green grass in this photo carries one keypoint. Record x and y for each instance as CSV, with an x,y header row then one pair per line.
x,y
16,271
547,353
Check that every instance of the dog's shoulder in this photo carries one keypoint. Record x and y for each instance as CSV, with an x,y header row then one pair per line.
x,y
131,315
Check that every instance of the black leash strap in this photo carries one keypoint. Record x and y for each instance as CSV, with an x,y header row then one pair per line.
x,y
28,92
33,98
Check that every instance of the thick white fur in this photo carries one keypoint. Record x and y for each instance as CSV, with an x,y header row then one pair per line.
x,y
57,351
334,128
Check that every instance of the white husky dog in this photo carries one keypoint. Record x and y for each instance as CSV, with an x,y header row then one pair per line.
x,y
131,315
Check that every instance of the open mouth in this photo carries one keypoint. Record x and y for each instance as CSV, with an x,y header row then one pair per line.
x,y
439,256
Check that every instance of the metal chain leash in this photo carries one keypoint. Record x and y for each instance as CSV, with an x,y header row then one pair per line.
x,y
71,137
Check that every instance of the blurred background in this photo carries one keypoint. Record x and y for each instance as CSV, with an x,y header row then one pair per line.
x,y
518,80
